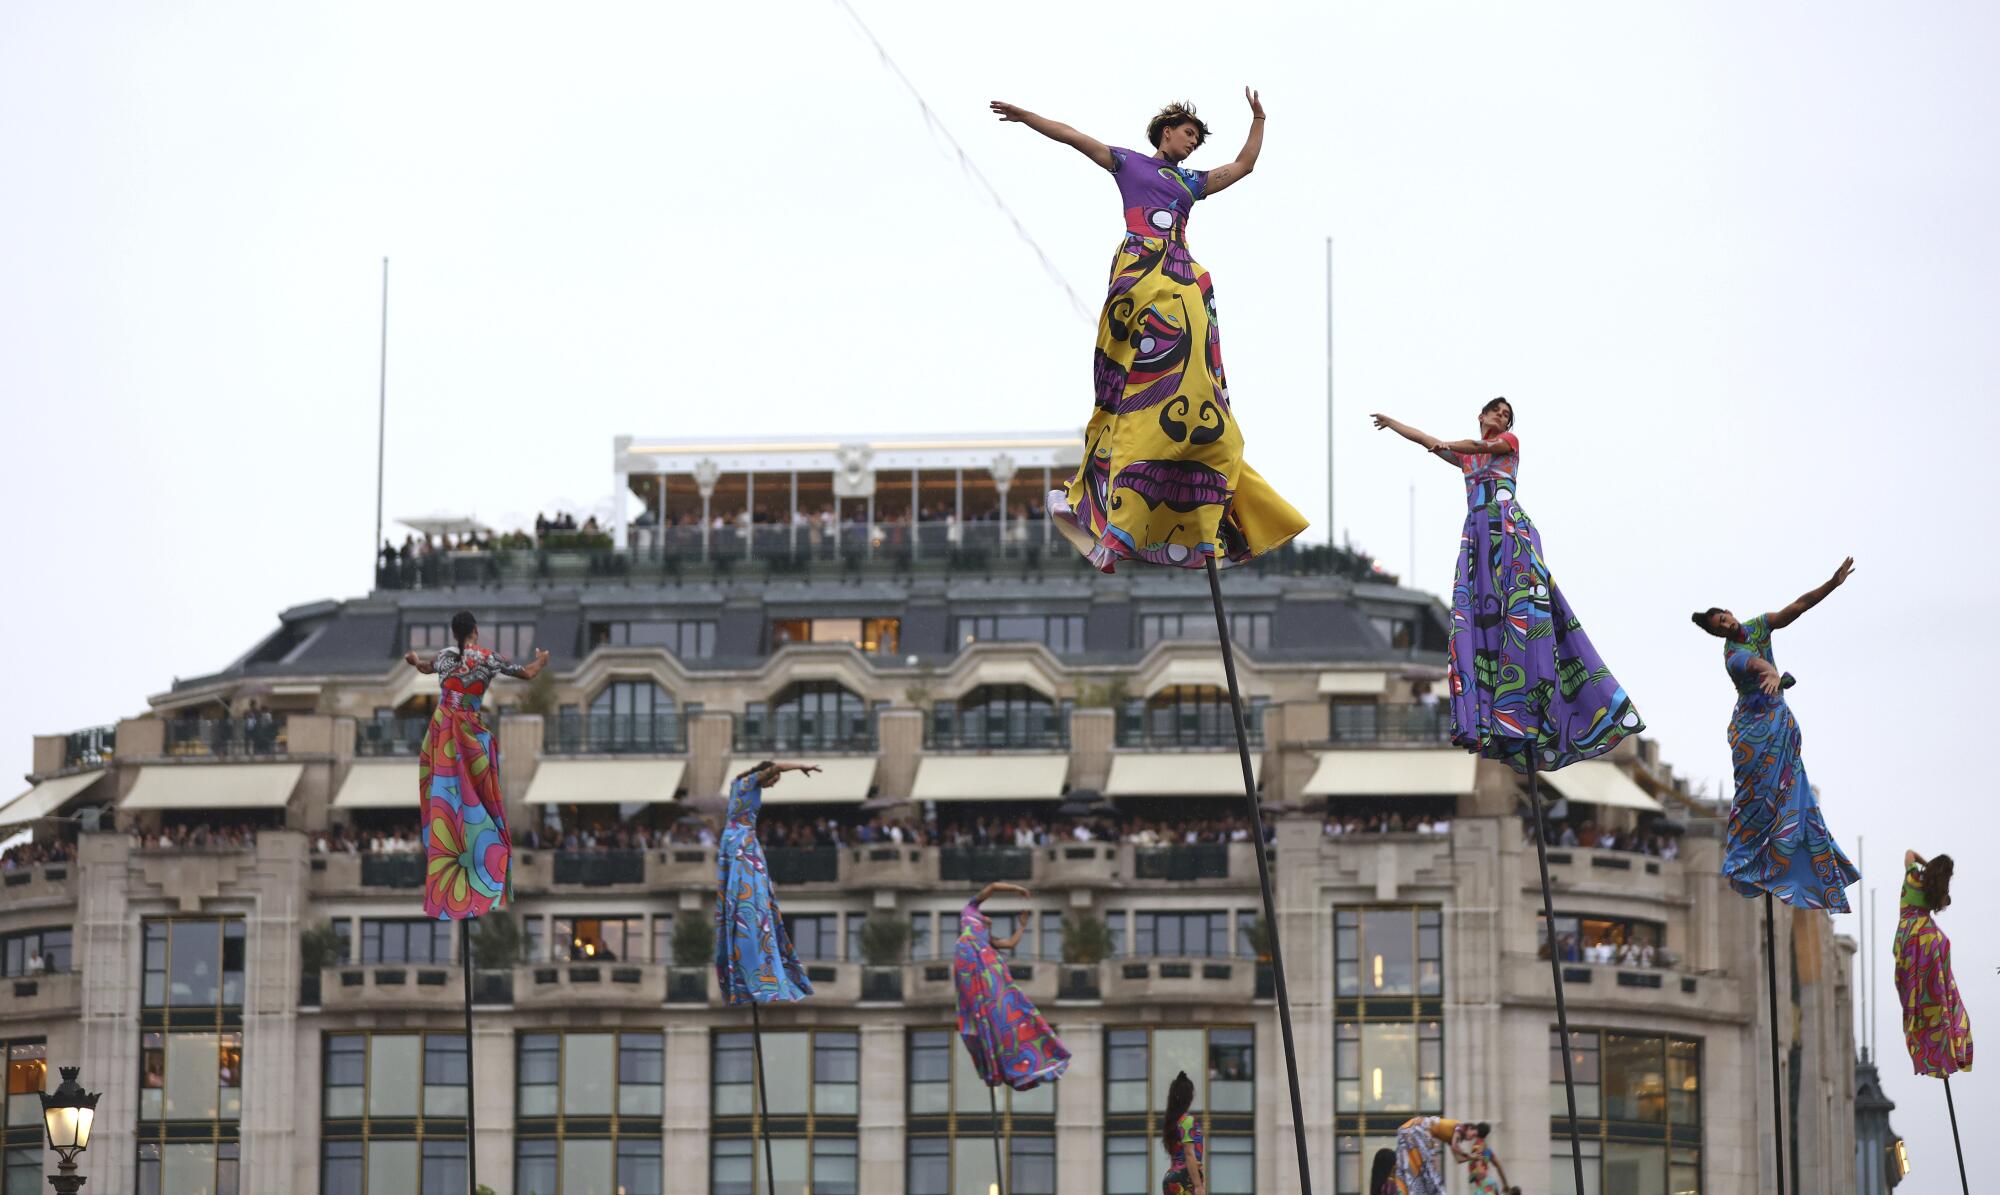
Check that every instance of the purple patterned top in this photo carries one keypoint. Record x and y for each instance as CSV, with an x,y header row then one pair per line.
x,y
1157,193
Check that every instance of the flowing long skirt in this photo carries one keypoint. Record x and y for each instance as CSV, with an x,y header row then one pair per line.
x,y
1163,478
1935,1026
1009,1041
1418,1170
754,959
465,824
1778,842
1523,673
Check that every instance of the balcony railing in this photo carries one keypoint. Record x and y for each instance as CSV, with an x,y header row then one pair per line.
x,y
977,548
401,870
261,735
970,730
615,734
390,736
598,869
1188,861
1184,727
1359,724
803,864
89,748
983,865
783,732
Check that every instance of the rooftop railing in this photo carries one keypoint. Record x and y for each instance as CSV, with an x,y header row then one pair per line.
x,y
1370,723
1184,727
257,735
89,748
614,734
785,732
390,736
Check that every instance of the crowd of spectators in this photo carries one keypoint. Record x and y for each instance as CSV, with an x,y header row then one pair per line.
x,y
194,837
1625,954
1337,825
33,854
1586,833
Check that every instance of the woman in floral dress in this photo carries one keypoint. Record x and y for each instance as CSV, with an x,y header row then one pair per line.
x,y
1009,1041
1935,1026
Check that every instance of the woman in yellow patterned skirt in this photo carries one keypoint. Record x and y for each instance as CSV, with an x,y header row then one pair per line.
x,y
1163,478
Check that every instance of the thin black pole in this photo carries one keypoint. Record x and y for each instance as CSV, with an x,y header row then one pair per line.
x,y
1263,877
763,1104
1555,962
382,422
1777,1087
1956,1147
1330,537
471,1092
999,1173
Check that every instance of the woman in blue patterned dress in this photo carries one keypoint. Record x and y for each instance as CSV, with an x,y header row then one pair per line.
x,y
1009,1041
1778,843
1523,673
754,960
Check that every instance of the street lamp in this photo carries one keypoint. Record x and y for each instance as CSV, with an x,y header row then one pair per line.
x,y
68,1114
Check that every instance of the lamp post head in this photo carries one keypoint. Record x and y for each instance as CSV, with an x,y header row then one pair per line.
x,y
67,1114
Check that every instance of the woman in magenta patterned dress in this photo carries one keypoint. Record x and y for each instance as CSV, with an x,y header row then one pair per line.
x,y
754,959
458,778
1524,676
1935,1027
1163,478
1180,1132
1009,1041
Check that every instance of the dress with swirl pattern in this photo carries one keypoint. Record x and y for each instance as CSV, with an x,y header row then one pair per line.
x,y
1935,1026
754,960
1524,676
1778,843
458,782
1163,478
1179,1180
1009,1041
1420,1145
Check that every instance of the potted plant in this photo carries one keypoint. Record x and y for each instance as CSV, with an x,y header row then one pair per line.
x,y
319,948
1086,943
1259,934
694,954
885,944
497,944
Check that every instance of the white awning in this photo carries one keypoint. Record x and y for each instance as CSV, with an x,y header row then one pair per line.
x,y
990,777
1384,773
843,778
605,781
47,797
214,786
379,786
1170,774
1353,684
1600,783
1193,671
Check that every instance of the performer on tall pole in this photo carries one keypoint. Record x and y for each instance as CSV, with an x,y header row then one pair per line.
x,y
1163,479
754,960
1935,1025
1008,1040
464,819
1779,846
1527,686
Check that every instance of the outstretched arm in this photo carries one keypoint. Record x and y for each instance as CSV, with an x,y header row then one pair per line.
x,y
418,662
531,669
1020,927
987,892
1246,158
1425,440
1055,130
1806,601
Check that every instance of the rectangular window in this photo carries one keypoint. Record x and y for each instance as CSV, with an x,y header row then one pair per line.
x,y
948,1126
171,1169
1140,1064
1181,935
407,940
569,1086
601,939
1060,633
815,936
192,963
1388,952
444,1074
873,636
27,1078
1401,633
35,952
1250,630
824,1156
1638,1099
190,1076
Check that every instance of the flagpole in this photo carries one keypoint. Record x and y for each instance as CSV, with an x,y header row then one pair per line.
x,y
465,965
382,430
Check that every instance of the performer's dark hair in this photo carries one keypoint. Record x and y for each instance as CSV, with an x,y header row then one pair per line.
x,y
1380,1172
1937,882
1178,112
1483,1129
1510,409
462,626
754,771
1180,1097
1701,618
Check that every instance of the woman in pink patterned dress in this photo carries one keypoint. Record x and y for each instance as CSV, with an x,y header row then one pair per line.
x,y
1009,1041
1935,1026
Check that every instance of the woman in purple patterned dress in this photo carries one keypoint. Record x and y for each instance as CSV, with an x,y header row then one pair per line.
x,y
1163,478
1527,687
1009,1041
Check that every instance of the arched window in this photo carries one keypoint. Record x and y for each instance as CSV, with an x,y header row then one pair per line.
x,y
1188,716
633,715
1000,716
815,715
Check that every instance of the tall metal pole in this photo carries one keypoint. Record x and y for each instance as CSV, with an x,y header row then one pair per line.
x,y
382,427
1330,533
999,1171
1952,1108
471,1091
1263,878
763,1103
1777,1087
1555,962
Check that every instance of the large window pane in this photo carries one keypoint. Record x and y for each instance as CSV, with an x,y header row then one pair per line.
x,y
192,1063
972,1169
1232,1168
188,1169
587,1165
1635,1169
1684,1082
1032,1165
392,1168
444,1074
588,1059
930,1166
1125,1165
836,1073
641,1070
1388,1068
346,1075
27,1078
1634,1078
1562,1171
789,1166
1388,944
341,1169
787,1054
835,1166
1176,1050
538,1072
535,1168
194,963
444,1167
639,1169
394,1077
730,1167
1232,1071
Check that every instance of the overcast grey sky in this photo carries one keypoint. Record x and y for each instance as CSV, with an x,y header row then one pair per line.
x,y
1735,264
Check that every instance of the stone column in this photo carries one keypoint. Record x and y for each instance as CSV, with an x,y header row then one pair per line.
x,y
684,1152
706,474
1080,1109
882,1107
275,889
107,955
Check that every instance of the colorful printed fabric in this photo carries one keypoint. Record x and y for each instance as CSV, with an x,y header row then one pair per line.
x,y
1419,1170
1523,673
1178,1181
1484,1174
1935,1025
458,781
1009,1041
1163,478
754,960
1778,843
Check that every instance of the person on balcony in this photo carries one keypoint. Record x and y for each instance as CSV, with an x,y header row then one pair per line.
x,y
754,959
1163,478
1778,842
1009,1041
458,778
1187,1164
1526,685
1935,1026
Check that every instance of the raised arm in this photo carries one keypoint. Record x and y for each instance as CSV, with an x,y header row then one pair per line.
x,y
1424,440
1055,130
1246,158
418,662
529,670
1806,601
1020,927
987,892
1912,859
